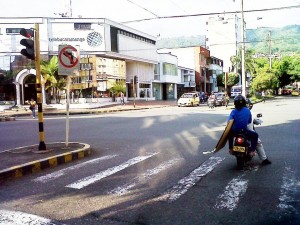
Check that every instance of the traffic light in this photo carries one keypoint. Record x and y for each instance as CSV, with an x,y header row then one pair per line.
x,y
28,43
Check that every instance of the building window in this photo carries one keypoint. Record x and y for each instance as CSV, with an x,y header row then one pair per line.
x,y
156,69
135,36
82,26
13,30
169,69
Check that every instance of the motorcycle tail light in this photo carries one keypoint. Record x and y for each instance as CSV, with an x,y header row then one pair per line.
x,y
240,140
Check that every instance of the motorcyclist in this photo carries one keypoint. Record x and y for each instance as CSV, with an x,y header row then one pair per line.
x,y
242,117
259,147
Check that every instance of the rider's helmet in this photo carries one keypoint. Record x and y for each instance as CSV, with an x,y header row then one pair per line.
x,y
239,102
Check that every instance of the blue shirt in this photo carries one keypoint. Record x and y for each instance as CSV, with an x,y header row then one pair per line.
x,y
241,119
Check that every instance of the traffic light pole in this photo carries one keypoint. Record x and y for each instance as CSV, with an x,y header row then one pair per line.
x,y
42,145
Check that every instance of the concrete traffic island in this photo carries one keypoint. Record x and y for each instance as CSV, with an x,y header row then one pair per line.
x,y
15,163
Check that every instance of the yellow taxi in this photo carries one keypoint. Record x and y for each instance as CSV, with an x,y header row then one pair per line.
x,y
295,92
189,99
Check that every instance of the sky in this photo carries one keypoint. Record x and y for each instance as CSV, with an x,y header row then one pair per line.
x,y
129,10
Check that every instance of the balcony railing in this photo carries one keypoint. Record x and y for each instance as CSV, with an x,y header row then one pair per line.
x,y
189,84
156,77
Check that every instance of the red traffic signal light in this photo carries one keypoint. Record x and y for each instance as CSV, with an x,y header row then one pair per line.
x,y
28,43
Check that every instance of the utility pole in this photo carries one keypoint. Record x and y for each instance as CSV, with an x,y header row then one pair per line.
x,y
270,50
243,52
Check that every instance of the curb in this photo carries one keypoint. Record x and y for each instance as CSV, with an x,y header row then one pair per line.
x,y
50,162
7,118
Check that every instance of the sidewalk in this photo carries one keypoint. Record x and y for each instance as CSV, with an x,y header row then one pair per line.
x,y
86,108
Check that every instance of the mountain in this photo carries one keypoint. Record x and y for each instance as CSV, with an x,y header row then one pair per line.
x,y
284,40
179,42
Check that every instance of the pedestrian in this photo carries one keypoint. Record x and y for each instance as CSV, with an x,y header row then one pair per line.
x,y
122,98
263,96
32,105
227,100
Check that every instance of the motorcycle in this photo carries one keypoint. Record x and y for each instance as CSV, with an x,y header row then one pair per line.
x,y
211,102
241,145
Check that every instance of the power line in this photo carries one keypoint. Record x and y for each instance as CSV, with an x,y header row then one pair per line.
x,y
143,8
212,14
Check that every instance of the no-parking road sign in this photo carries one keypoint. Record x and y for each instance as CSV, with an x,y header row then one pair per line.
x,y
68,60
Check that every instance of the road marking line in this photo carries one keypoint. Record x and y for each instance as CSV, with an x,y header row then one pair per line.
x,y
290,186
122,190
235,189
189,181
98,176
54,175
20,218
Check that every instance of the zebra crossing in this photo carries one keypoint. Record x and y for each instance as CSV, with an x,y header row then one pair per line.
x,y
228,199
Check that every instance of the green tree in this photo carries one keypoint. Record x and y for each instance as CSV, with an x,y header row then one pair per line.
x,y
265,79
49,71
236,61
118,88
233,78
287,69
294,68
59,86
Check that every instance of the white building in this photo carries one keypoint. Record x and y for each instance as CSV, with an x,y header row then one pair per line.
x,y
96,39
224,38
166,77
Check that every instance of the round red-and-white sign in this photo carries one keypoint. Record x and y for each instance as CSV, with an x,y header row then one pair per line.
x,y
68,56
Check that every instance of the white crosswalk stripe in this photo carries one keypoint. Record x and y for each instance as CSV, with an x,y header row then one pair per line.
x,y
98,176
235,189
288,190
20,218
122,190
186,183
54,175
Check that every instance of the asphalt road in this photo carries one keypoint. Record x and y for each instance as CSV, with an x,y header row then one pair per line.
x,y
147,167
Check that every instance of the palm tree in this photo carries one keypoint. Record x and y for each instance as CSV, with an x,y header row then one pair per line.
x,y
49,72
236,61
59,86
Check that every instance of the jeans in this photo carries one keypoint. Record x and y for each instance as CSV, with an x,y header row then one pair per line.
x,y
250,135
33,112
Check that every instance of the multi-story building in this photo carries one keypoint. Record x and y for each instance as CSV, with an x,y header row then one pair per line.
x,y
224,38
188,80
215,69
196,58
166,77
109,52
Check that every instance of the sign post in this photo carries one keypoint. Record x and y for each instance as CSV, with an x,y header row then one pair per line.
x,y
68,57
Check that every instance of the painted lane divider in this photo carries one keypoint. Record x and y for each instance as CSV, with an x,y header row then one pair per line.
x,y
98,176
189,181
122,190
54,175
